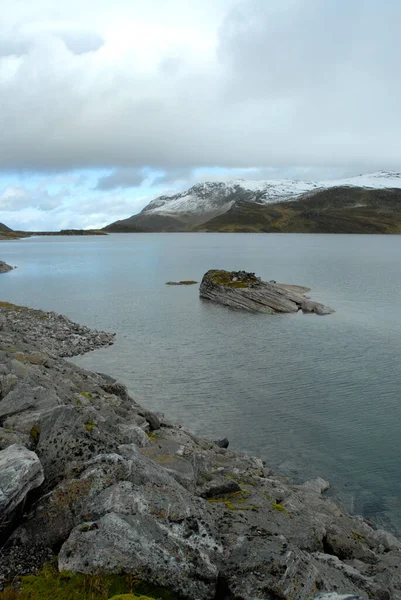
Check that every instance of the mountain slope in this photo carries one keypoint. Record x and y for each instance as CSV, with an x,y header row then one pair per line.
x,y
335,210
204,203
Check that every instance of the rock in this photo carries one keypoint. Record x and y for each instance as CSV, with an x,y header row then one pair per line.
x,y
335,596
151,418
20,472
245,291
224,443
185,282
4,267
218,486
51,333
139,543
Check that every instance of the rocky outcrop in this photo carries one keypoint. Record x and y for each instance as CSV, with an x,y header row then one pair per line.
x,y
127,491
4,267
245,291
48,332
20,472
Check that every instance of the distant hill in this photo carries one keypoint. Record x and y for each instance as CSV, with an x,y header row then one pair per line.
x,y
8,234
370,202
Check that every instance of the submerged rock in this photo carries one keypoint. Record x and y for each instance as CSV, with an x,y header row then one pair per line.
x,y
185,282
4,267
245,291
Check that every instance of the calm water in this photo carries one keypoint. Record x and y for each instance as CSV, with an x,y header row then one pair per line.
x,y
311,395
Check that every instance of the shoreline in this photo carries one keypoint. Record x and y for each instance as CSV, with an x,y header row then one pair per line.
x,y
210,515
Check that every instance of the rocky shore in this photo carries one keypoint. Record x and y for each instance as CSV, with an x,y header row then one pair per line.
x,y
103,485
245,291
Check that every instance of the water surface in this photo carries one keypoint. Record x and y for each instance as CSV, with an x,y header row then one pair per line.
x,y
311,395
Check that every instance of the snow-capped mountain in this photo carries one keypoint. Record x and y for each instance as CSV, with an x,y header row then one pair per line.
x,y
277,205
217,197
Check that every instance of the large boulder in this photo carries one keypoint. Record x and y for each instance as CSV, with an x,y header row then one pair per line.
x,y
20,472
245,291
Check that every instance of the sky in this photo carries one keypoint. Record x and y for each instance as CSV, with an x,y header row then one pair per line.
x,y
106,105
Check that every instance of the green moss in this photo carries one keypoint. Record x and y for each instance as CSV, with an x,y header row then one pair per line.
x,y
89,425
235,501
280,508
152,436
35,435
220,277
50,584
357,536
86,395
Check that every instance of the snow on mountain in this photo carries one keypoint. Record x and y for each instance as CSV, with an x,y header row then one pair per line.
x,y
218,197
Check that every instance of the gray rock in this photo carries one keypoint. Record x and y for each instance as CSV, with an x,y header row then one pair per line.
x,y
241,290
151,418
4,267
20,472
335,596
218,486
140,544
223,443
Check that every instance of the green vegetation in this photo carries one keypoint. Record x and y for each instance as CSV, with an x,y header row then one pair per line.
x,y
280,508
89,425
86,395
220,277
35,435
50,584
235,501
357,536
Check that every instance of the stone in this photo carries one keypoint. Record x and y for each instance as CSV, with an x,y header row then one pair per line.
x,y
20,472
223,443
245,291
140,544
151,418
4,267
218,486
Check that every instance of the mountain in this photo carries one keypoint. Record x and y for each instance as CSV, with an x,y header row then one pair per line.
x,y
254,206
4,228
334,210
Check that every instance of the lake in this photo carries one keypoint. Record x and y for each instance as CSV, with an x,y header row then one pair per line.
x,y
313,396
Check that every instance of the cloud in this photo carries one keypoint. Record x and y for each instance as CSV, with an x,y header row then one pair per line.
x,y
17,197
18,42
121,178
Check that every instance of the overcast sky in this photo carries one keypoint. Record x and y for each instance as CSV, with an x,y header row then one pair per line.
x,y
104,105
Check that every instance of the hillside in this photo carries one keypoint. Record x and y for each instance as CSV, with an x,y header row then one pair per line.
x,y
370,203
8,234
336,210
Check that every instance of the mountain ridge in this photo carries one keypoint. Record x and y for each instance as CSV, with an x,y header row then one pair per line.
x,y
209,206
